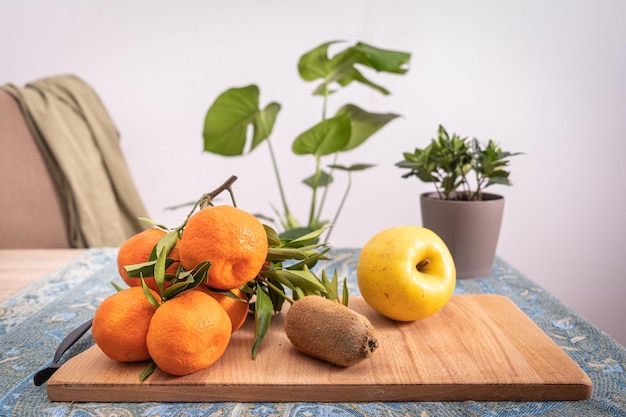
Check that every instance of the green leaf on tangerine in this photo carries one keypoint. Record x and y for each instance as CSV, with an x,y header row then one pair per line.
x,y
263,311
273,239
147,371
293,279
306,239
159,270
148,293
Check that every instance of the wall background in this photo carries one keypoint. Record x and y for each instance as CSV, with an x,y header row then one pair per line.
x,y
545,78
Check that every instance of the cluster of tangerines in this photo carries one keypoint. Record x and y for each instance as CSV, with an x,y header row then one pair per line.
x,y
182,323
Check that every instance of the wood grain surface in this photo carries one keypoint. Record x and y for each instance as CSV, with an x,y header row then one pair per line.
x,y
479,347
21,267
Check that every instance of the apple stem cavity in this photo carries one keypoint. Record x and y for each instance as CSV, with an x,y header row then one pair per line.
x,y
421,266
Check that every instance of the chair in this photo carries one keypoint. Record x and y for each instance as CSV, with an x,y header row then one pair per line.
x,y
64,180
32,214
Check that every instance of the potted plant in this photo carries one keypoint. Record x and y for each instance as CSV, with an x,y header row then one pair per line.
x,y
459,211
236,123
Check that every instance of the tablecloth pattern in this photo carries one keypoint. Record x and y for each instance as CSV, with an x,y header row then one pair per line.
x,y
33,322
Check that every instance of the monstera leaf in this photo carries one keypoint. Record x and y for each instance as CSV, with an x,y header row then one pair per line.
x,y
342,69
363,124
227,121
327,137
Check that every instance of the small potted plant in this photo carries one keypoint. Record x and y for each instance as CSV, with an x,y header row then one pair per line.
x,y
459,211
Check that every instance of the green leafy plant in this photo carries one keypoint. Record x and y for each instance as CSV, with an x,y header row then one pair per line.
x,y
453,163
236,112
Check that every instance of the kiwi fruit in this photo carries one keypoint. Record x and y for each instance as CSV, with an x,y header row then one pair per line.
x,y
328,330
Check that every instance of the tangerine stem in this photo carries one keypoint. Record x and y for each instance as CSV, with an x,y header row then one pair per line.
x,y
225,186
275,288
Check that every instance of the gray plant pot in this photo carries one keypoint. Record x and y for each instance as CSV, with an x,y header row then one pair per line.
x,y
469,229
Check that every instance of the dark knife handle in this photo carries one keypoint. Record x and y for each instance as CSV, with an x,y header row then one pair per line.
x,y
44,374
70,339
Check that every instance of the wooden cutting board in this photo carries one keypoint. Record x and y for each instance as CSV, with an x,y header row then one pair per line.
x,y
478,347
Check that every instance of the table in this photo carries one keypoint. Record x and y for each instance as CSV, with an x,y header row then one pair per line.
x,y
21,267
34,319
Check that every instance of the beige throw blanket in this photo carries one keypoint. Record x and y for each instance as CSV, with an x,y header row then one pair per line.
x,y
80,144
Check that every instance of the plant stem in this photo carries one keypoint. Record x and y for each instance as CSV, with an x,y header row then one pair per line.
x,y
323,201
343,200
280,183
325,99
316,180
278,290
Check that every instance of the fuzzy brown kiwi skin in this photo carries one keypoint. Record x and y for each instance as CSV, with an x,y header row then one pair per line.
x,y
330,331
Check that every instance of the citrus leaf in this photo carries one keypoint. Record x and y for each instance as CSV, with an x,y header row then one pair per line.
x,y
147,371
200,274
273,239
148,294
307,239
295,232
167,242
175,289
152,223
293,279
327,137
159,270
229,294
276,293
262,317
311,260
144,269
229,117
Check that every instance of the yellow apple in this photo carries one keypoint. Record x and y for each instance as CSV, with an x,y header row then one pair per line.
x,y
406,273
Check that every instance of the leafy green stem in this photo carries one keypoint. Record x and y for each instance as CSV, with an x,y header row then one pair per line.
x,y
276,289
318,171
343,200
323,200
279,182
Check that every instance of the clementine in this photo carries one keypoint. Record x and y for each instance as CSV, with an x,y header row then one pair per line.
x,y
233,240
137,250
120,325
237,310
188,333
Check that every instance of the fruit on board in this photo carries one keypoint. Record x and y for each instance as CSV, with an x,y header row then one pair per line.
x,y
237,309
121,323
233,240
137,250
328,330
406,273
188,333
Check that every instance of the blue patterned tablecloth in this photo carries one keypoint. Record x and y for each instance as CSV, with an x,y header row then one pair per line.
x,y
33,322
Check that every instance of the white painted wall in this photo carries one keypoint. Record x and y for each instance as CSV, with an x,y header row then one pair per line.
x,y
543,77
